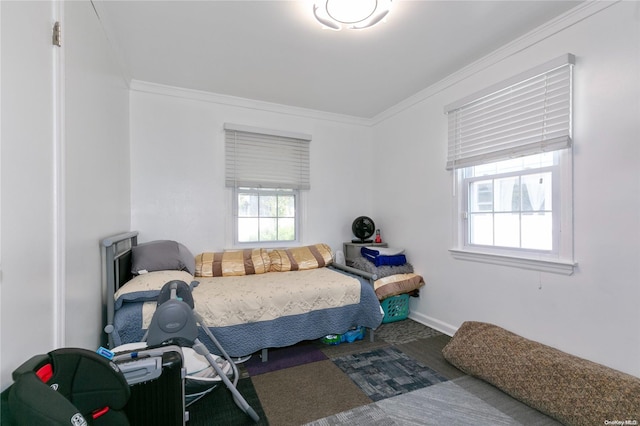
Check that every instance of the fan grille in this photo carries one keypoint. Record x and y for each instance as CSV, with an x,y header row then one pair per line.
x,y
363,228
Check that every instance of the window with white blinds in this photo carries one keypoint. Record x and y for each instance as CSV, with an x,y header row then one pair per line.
x,y
527,114
510,149
261,158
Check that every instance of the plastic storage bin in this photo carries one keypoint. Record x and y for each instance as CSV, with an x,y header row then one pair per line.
x,y
396,308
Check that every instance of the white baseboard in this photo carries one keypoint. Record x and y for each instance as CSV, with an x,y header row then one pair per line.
x,y
442,327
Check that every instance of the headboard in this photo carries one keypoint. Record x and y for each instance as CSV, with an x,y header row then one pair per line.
x,y
116,270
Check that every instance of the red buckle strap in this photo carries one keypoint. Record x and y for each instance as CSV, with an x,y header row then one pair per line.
x,y
99,412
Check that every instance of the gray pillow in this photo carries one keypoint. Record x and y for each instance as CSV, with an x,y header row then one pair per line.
x,y
162,255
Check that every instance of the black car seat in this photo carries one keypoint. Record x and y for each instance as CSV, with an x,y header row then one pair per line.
x,y
69,386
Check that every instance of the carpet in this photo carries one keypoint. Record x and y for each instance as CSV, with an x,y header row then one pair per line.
x,y
386,372
297,395
219,408
447,404
279,358
429,352
404,331
378,391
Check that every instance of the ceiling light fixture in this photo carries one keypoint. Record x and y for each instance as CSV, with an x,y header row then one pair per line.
x,y
353,14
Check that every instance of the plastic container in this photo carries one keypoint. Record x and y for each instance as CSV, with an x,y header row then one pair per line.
x,y
350,336
396,308
332,339
353,335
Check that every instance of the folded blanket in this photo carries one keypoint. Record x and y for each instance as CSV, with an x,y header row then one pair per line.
x,y
384,251
397,260
381,271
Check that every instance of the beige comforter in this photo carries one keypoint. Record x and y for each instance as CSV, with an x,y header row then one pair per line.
x,y
226,301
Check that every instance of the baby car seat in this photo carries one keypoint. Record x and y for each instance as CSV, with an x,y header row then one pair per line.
x,y
69,386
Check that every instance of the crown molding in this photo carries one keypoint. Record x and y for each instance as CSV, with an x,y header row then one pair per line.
x,y
552,27
234,101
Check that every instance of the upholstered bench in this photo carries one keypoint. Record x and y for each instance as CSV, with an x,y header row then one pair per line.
x,y
572,390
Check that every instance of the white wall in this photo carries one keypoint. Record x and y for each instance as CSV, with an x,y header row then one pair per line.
x,y
592,313
65,177
27,292
96,166
177,177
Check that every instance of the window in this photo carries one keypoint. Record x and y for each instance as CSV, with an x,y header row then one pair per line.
x,y
509,203
267,171
266,215
510,149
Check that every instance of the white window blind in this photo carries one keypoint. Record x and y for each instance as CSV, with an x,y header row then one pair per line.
x,y
261,158
527,114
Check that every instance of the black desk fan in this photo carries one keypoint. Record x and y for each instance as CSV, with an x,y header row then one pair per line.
x,y
363,228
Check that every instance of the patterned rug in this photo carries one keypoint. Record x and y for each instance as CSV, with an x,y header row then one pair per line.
x,y
397,333
387,372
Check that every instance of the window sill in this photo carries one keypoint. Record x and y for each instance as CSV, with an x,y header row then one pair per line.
x,y
553,266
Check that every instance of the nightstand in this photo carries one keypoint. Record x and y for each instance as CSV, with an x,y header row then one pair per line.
x,y
352,250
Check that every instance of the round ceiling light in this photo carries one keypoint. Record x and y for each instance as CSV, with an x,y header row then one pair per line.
x,y
354,14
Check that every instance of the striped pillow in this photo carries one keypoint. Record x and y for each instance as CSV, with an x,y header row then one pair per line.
x,y
396,284
230,263
301,258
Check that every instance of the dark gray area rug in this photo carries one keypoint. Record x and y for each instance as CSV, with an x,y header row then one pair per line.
x,y
387,372
405,331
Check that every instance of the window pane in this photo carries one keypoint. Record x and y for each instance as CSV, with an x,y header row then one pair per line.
x,y
537,231
268,229
481,229
286,229
247,230
507,194
248,205
272,213
268,205
507,230
286,206
536,191
481,196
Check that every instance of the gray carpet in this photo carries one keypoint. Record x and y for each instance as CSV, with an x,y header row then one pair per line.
x,y
449,397
399,379
449,402
405,331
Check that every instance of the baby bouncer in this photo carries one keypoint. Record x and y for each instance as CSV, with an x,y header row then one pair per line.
x,y
175,321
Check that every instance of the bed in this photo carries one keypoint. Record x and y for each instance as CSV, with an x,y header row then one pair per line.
x,y
246,313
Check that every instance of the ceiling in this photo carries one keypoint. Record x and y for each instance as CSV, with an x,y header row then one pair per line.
x,y
275,51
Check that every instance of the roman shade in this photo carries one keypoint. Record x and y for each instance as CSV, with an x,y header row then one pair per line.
x,y
527,114
264,158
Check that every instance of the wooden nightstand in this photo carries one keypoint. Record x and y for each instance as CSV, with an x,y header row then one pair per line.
x,y
352,250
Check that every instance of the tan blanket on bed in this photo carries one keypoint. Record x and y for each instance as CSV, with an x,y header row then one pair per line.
x,y
225,301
